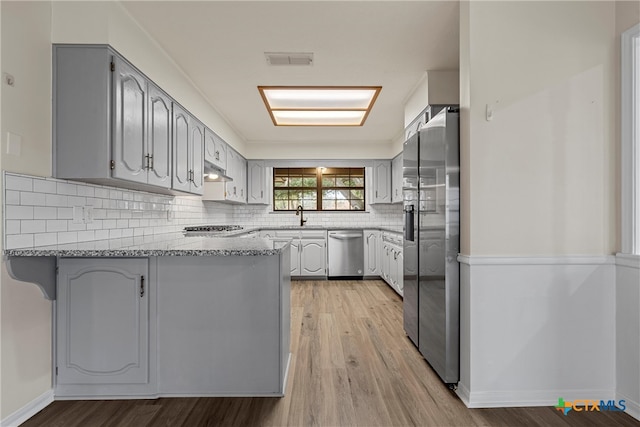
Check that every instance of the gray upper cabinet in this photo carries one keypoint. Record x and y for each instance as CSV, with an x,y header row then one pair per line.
x,y
130,135
381,182
159,142
102,324
188,146
396,179
257,183
215,149
113,126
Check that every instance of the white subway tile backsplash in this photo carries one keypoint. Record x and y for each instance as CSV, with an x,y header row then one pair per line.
x,y
32,226
101,234
18,212
54,225
12,197
85,236
20,183
102,193
57,200
126,213
46,239
45,212
32,199
19,241
65,213
67,189
67,237
12,226
44,186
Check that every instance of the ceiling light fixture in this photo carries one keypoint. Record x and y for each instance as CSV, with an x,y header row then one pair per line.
x,y
319,105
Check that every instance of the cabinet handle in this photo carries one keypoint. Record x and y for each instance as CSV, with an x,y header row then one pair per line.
x,y
141,286
146,162
376,193
261,194
395,255
217,155
151,157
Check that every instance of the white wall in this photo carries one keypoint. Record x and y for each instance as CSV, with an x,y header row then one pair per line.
x,y
319,150
26,111
542,170
538,180
628,266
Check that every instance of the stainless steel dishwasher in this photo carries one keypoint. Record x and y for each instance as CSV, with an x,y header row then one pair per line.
x,y
346,253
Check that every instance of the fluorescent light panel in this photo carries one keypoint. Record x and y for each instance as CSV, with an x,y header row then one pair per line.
x,y
319,105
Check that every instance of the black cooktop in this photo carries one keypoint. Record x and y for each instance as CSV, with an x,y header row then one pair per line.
x,y
213,228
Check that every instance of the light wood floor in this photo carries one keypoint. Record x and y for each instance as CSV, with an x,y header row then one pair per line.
x,y
352,366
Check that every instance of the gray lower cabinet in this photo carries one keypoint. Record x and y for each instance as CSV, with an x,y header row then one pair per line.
x,y
103,327
372,252
172,326
308,251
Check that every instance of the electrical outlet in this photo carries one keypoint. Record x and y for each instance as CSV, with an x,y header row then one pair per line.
x,y
78,215
88,214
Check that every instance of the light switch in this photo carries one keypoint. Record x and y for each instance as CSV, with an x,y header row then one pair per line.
x,y
14,144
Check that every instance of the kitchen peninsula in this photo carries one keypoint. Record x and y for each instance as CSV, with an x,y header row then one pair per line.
x,y
165,315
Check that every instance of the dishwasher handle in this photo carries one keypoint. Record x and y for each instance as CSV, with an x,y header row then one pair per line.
x,y
345,236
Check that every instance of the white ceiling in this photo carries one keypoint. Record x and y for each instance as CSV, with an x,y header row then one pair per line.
x,y
220,45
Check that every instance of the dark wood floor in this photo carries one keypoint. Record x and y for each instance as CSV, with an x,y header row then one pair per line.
x,y
351,366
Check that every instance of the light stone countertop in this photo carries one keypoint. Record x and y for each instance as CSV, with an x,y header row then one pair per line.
x,y
167,244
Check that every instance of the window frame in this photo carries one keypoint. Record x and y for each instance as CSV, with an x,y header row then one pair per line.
x,y
630,140
319,187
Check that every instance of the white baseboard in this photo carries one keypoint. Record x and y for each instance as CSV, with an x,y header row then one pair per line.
x,y
28,410
517,398
633,407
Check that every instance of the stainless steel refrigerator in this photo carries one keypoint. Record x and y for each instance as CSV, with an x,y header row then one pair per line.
x,y
431,189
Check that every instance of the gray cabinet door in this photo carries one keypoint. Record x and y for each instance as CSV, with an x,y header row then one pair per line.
x,y
295,257
231,192
257,182
181,172
396,179
215,149
242,179
102,321
371,243
382,182
129,139
313,257
196,156
159,140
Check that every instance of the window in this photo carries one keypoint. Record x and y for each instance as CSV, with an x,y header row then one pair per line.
x,y
328,189
630,111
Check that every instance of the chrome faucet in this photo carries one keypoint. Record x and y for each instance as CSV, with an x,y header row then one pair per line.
x,y
300,211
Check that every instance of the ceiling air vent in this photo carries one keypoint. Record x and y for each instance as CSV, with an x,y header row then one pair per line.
x,y
289,58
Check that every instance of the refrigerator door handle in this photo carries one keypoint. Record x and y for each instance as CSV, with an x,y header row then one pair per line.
x,y
408,222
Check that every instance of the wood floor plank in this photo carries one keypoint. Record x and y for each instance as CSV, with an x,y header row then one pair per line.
x,y
352,365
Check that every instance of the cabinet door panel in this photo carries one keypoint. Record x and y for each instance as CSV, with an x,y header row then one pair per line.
x,y
196,156
159,137
295,257
257,181
313,257
382,182
371,242
130,121
103,321
180,149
